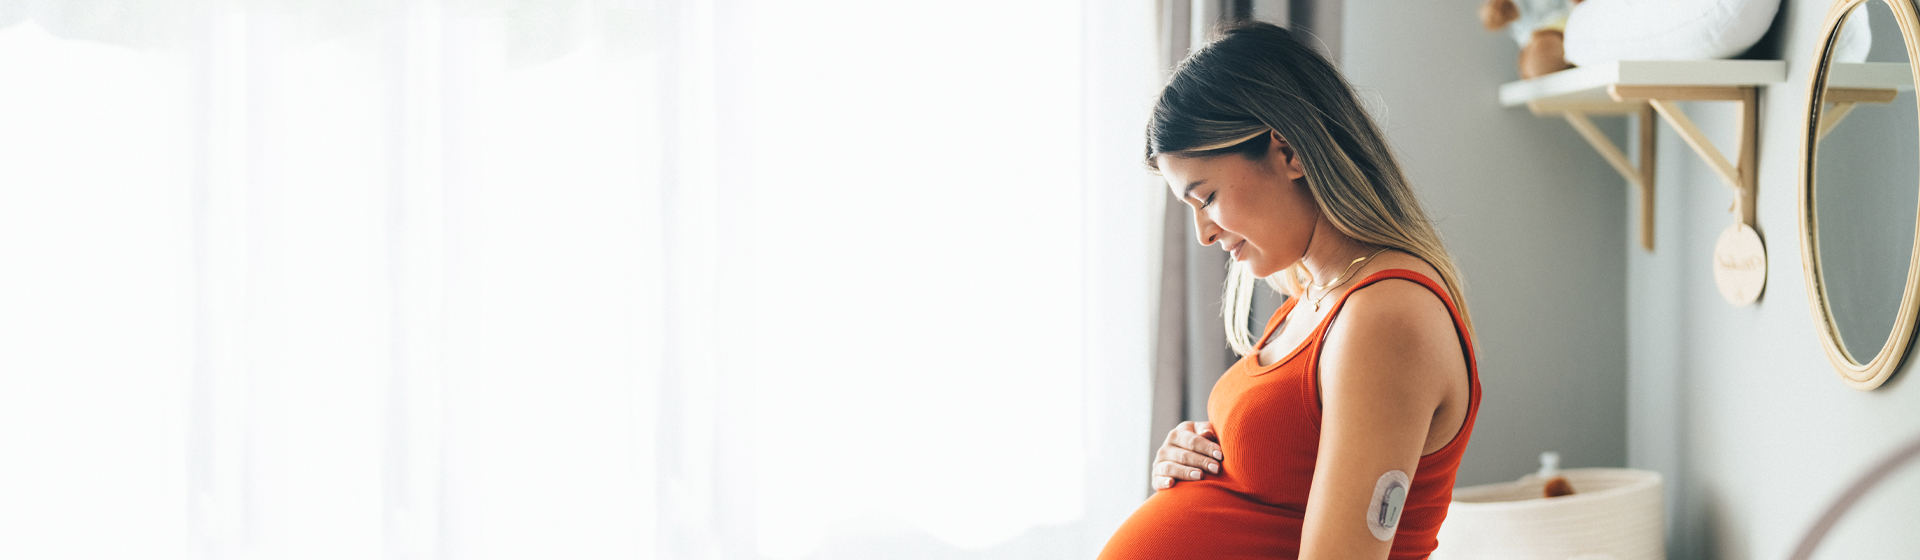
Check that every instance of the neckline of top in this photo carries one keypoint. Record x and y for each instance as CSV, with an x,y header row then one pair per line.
x,y
1275,323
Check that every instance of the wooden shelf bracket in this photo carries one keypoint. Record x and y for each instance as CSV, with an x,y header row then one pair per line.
x,y
1840,101
1739,174
1641,89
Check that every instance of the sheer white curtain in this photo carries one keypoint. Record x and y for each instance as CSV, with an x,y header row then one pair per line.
x,y
496,279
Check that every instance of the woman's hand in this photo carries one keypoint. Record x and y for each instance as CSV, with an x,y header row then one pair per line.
x,y
1190,448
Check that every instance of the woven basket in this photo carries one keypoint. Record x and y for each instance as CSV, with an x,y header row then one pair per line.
x,y
1615,514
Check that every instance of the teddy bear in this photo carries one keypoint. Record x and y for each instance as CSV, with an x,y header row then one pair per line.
x,y
1538,25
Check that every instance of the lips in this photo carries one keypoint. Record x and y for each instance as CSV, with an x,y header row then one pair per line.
x,y
1235,249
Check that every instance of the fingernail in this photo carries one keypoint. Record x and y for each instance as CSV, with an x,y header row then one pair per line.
x,y
1216,455
1196,473
1215,467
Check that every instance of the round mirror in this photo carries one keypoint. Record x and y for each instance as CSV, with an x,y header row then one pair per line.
x,y
1860,190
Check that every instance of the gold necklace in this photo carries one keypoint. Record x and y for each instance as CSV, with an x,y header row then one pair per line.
x,y
1314,303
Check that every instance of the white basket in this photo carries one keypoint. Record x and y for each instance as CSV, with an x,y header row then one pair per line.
x,y
1614,514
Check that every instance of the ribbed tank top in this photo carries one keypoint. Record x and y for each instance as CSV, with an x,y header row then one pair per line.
x,y
1268,421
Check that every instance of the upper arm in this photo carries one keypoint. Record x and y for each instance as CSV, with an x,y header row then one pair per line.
x,y
1385,369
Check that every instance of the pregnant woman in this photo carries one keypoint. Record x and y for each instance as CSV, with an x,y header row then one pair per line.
x,y
1337,433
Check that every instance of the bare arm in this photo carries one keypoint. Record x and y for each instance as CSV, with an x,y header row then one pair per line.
x,y
1388,364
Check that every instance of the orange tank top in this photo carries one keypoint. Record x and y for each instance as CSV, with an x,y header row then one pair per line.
x,y
1268,421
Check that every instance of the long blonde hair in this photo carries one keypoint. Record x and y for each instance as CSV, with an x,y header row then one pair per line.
x,y
1258,77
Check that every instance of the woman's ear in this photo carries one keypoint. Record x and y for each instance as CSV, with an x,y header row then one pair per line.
x,y
1283,157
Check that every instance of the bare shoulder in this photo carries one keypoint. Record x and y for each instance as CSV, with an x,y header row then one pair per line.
x,y
1395,334
1396,308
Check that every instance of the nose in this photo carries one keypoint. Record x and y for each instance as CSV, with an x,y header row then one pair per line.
x,y
1204,230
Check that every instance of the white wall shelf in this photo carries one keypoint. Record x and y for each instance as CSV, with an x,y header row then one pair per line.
x,y
1589,83
1641,88
1878,75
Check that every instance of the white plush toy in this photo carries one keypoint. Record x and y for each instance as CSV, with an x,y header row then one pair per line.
x,y
1855,39
1557,34
1601,31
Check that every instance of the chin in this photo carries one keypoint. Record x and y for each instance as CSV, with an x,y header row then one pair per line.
x,y
1263,269
1258,268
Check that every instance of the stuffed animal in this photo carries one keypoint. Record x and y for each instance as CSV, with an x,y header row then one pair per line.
x,y
1603,31
1538,25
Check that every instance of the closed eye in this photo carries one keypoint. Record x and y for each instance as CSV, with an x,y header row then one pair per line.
x,y
1208,201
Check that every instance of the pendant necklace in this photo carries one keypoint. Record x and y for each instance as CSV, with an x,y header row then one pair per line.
x,y
1314,303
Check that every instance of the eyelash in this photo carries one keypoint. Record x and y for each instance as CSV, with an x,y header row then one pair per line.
x,y
1208,201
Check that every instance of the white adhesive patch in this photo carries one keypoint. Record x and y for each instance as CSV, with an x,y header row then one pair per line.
x,y
1389,496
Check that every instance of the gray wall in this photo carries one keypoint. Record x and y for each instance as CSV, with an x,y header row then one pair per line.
x,y
1537,221
1737,406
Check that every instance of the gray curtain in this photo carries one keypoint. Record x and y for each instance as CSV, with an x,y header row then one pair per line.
x,y
1191,350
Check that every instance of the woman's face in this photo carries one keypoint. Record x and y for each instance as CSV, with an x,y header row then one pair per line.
x,y
1259,210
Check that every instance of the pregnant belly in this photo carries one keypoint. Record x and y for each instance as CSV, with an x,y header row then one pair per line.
x,y
1203,519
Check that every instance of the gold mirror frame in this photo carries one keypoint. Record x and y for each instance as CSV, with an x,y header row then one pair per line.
x,y
1871,374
